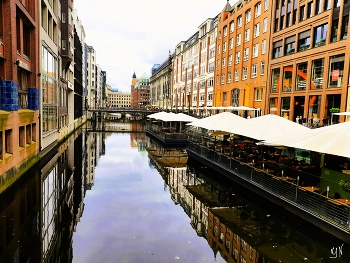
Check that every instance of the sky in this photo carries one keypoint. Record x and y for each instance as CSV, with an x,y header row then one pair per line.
x,y
134,35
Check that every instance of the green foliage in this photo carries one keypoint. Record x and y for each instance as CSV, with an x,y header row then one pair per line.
x,y
345,186
334,110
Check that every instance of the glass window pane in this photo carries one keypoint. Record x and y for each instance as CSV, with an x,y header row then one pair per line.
x,y
275,80
336,71
301,76
287,78
317,74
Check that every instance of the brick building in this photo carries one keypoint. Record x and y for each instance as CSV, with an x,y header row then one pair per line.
x,y
242,54
140,91
19,83
309,54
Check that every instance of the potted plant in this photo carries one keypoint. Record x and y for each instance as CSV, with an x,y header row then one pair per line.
x,y
345,186
334,110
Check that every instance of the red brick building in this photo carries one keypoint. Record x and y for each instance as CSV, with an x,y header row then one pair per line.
x,y
140,91
19,94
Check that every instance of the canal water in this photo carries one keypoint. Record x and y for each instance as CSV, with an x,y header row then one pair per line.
x,y
123,197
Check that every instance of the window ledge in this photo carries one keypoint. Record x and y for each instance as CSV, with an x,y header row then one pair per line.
x,y
8,155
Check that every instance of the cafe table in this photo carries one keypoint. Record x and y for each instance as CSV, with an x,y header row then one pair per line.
x,y
310,188
285,178
340,201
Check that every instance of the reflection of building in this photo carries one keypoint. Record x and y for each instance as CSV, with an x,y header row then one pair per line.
x,y
138,140
309,64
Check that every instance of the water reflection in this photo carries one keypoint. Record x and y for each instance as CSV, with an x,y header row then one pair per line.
x,y
39,214
238,230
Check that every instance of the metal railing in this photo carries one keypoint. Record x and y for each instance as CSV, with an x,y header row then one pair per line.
x,y
320,206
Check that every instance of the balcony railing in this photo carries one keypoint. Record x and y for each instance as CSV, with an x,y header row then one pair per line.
x,y
282,182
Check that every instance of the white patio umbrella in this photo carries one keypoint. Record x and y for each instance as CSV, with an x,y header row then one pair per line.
x,y
157,115
265,127
185,118
332,139
214,121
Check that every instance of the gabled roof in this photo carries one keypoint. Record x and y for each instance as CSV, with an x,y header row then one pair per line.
x,y
144,76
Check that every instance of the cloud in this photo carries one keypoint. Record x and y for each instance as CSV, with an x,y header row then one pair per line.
x,y
134,35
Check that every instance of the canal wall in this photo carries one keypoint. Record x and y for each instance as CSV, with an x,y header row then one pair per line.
x,y
11,175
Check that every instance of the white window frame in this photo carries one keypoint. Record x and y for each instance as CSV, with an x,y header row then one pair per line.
x,y
224,47
228,77
262,68
230,60
257,10
254,70
239,22
223,62
231,43
222,78
236,74
265,25
232,26
246,54
247,35
238,57
225,31
256,50
256,30
248,16
263,46
239,37
245,73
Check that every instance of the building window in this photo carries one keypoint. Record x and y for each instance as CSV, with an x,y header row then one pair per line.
x,y
326,5
247,16
245,73
258,10
231,43
236,75
238,42
232,26
337,3
230,60
320,34
238,57
222,78
235,103
254,70
275,80
211,67
21,137
247,35
309,9
224,95
289,45
336,71
8,142
266,5
317,71
258,94
304,40
229,77
344,27
262,67
225,31
256,30
224,47
246,54
239,22
334,32
219,49
223,62
318,7
263,46
287,78
285,107
281,22
273,104
301,76
265,25
314,106
218,63
255,50
302,13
